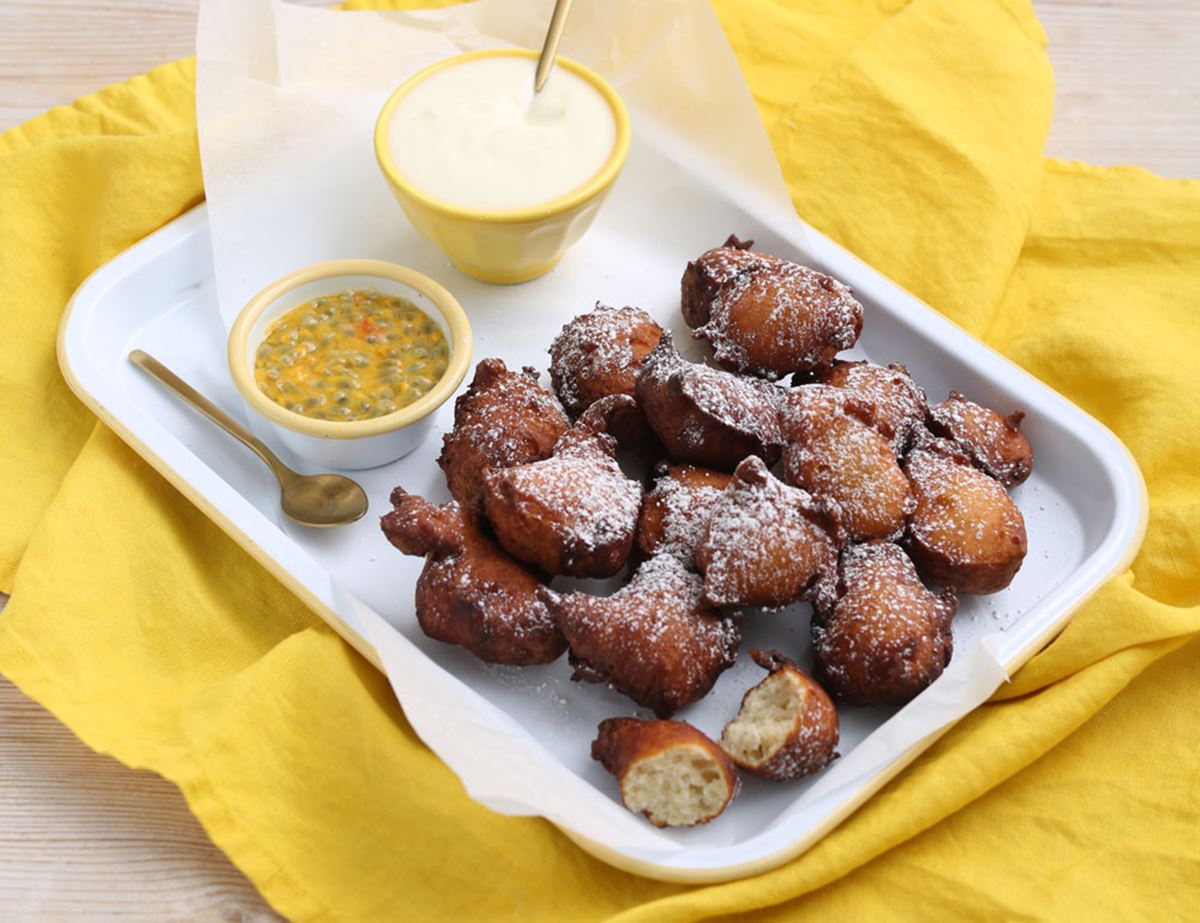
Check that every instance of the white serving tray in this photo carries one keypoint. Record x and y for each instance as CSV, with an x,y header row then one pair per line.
x,y
1085,505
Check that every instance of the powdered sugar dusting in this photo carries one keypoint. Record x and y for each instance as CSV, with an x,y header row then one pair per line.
x,y
654,640
683,503
952,500
734,401
594,354
811,317
896,402
713,269
502,604
992,441
887,637
504,418
705,415
834,454
764,546
573,513
591,502
722,265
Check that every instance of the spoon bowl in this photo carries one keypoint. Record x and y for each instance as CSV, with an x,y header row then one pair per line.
x,y
323,500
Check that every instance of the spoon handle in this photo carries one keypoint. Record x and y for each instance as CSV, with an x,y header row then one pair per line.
x,y
152,367
550,47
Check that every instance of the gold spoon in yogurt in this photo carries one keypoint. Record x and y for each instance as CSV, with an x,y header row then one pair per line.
x,y
318,500
558,21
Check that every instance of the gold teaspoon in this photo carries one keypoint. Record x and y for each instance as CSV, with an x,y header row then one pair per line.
x,y
312,500
558,21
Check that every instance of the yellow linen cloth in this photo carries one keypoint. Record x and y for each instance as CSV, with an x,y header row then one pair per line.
x,y
909,131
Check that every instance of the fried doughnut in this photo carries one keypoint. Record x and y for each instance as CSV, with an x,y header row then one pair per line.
x,y
888,637
832,450
767,316
895,403
705,416
573,513
470,592
653,640
767,544
786,728
668,770
676,510
992,441
708,273
965,532
503,418
598,354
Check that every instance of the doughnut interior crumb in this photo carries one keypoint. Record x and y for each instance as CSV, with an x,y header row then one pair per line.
x,y
765,720
677,787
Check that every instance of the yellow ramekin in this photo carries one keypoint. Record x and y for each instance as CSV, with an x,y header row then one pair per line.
x,y
513,245
355,443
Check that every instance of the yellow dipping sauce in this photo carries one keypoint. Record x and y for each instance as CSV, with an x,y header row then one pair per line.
x,y
351,356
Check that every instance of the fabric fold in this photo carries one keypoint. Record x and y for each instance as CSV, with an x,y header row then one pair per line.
x,y
937,178
79,184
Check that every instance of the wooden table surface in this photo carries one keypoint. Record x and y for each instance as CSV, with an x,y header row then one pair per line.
x,y
82,834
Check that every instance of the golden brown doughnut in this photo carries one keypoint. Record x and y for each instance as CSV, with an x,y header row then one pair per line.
x,y
767,544
768,316
653,640
786,728
992,441
705,416
833,451
598,353
470,592
668,770
573,513
503,418
887,637
965,531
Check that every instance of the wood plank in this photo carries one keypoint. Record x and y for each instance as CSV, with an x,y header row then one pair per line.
x,y
54,51
82,835
1127,83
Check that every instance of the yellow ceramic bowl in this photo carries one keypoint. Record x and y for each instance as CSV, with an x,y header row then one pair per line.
x,y
512,245
354,443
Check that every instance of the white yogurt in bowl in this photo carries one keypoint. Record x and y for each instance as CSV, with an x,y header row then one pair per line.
x,y
477,136
502,180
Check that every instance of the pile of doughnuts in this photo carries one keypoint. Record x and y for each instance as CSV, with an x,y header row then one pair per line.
x,y
845,490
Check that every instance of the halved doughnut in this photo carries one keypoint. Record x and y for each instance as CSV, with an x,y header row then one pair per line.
x,y
787,727
668,770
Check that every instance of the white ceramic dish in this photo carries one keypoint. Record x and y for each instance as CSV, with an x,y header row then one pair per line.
x,y
361,443
1084,505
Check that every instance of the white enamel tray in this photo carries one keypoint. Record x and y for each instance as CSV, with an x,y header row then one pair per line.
x,y
1085,504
